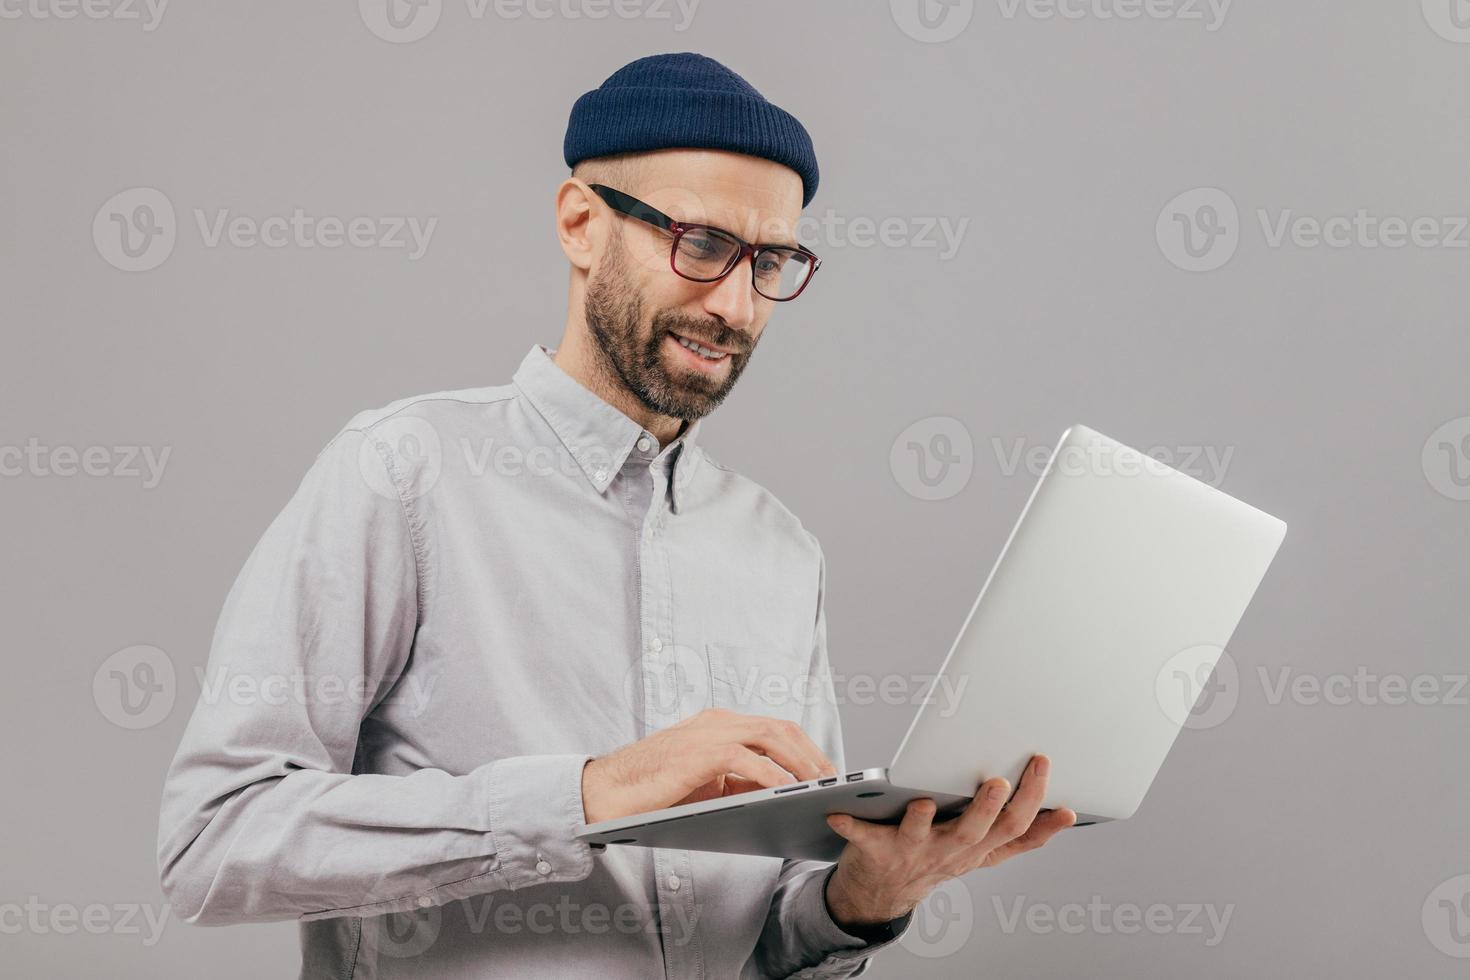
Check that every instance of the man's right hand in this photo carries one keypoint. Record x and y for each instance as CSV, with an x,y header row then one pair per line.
x,y
714,753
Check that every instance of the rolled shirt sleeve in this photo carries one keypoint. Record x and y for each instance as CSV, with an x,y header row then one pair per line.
x,y
263,817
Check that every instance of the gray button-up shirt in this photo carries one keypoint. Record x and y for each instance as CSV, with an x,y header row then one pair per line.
x,y
469,595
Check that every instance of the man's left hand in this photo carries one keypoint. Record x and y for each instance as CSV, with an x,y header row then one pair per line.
x,y
886,870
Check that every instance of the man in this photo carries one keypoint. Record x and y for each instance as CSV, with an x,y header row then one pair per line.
x,y
488,616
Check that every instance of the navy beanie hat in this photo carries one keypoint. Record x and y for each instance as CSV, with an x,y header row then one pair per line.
x,y
686,100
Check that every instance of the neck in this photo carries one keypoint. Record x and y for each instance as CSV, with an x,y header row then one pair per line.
x,y
576,357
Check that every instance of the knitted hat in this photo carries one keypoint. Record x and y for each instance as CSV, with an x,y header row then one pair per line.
x,y
686,100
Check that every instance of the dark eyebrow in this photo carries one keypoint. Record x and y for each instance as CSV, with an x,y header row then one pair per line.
x,y
791,244
783,244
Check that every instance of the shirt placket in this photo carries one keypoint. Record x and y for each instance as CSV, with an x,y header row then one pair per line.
x,y
677,678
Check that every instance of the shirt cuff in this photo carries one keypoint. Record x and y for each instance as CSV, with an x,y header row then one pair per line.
x,y
823,932
535,807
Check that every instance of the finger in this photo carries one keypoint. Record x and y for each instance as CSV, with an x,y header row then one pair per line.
x,y
753,766
970,827
1045,827
785,742
800,743
860,833
1053,822
1017,816
917,819
707,791
735,784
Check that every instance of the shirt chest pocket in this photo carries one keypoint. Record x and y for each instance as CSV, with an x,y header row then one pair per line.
x,y
761,680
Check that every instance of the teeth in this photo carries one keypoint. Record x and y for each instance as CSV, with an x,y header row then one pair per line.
x,y
704,352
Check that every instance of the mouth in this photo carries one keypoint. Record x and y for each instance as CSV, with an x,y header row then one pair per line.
x,y
700,355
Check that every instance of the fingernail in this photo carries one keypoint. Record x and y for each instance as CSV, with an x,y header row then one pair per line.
x,y
1041,766
999,790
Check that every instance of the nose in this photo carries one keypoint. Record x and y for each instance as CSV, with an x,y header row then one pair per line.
x,y
732,299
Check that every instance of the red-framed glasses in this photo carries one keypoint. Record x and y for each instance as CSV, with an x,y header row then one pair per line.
x,y
703,253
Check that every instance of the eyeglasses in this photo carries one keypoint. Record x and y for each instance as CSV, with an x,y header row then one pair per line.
x,y
703,253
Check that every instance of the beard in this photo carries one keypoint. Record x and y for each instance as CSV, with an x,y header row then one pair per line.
x,y
614,313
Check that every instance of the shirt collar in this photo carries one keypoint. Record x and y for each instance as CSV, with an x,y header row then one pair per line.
x,y
598,436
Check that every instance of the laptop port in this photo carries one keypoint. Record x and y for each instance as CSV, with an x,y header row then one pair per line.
x,y
792,789
827,782
855,777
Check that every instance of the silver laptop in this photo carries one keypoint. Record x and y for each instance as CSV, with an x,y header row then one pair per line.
x,y
1109,605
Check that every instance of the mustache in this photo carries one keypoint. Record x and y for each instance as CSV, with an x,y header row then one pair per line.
x,y
710,333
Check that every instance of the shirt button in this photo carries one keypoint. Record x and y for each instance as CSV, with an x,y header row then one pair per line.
x,y
643,444
600,475
425,901
655,644
674,883
543,868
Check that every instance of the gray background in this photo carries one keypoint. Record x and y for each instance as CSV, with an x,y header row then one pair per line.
x,y
1325,829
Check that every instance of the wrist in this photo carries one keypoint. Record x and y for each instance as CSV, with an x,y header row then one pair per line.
x,y
871,920
592,792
